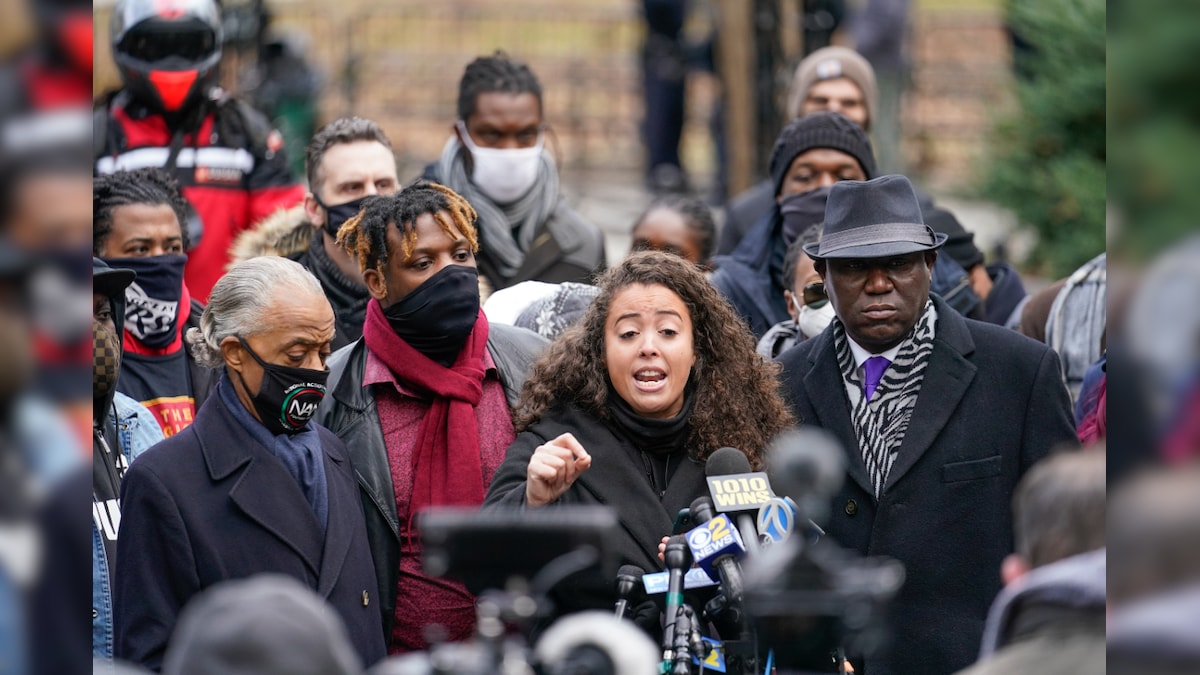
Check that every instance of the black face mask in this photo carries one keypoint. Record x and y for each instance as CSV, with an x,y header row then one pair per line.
x,y
437,317
801,212
338,214
152,300
288,397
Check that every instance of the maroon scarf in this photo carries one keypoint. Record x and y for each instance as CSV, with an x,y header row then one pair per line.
x,y
446,464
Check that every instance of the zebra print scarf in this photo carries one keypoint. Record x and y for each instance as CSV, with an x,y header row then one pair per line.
x,y
881,423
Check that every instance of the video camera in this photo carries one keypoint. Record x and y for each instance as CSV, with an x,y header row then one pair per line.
x,y
512,560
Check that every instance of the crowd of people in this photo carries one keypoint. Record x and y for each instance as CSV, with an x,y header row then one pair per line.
x,y
287,374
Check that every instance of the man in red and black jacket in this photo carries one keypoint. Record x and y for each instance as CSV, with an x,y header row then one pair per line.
x,y
228,160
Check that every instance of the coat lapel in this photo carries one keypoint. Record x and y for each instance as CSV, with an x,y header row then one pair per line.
x,y
826,392
947,378
343,502
264,490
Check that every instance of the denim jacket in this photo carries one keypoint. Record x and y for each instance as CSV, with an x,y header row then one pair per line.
x,y
137,430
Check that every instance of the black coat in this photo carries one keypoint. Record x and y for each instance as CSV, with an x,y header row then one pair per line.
x,y
992,404
751,278
617,478
210,504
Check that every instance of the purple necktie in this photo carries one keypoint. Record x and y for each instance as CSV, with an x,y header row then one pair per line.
x,y
873,372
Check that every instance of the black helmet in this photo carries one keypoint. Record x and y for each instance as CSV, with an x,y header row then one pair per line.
x,y
167,50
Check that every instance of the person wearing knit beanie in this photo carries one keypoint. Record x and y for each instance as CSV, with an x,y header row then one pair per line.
x,y
810,155
820,84
820,130
831,79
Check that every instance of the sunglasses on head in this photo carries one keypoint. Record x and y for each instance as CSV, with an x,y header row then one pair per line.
x,y
814,295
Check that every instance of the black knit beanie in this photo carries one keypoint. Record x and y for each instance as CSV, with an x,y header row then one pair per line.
x,y
820,130
960,244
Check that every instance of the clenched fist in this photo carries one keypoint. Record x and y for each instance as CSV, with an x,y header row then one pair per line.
x,y
554,468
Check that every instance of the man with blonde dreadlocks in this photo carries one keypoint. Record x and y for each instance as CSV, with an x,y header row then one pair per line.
x,y
423,401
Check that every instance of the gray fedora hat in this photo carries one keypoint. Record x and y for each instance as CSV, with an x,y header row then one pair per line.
x,y
873,219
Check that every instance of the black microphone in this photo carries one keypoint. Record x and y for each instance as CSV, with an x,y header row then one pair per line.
x,y
809,465
730,481
724,560
726,461
677,558
629,579
739,496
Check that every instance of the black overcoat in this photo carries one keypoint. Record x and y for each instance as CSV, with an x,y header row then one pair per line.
x,y
210,504
992,404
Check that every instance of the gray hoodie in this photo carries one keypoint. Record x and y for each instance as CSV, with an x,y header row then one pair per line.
x,y
1052,617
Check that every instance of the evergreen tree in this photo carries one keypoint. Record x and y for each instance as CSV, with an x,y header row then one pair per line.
x,y
1048,159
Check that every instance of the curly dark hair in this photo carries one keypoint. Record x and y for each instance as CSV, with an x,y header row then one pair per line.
x,y
737,394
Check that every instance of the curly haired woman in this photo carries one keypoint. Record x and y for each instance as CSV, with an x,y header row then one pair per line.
x,y
627,405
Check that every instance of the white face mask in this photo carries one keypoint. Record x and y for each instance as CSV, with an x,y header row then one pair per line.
x,y
812,321
503,175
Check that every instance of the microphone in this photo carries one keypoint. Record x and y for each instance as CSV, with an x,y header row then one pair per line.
x,y
716,546
677,559
737,490
729,464
777,520
628,578
809,464
726,461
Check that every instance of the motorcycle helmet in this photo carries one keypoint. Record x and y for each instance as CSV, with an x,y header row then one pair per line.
x,y
167,51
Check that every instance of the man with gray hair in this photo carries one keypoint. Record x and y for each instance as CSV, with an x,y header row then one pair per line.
x,y
269,624
940,417
1154,532
253,485
1050,616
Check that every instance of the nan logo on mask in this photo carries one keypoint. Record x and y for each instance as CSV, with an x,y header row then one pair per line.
x,y
288,396
300,403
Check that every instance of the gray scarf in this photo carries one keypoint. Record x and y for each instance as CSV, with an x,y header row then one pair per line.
x,y
881,423
506,232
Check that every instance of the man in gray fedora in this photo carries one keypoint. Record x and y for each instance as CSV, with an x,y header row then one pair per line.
x,y
939,415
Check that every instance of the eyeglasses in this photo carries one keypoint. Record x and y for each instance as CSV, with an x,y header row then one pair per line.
x,y
814,295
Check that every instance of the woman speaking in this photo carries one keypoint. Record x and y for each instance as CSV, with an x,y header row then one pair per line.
x,y
624,409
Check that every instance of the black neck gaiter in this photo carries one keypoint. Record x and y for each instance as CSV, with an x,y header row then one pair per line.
x,y
655,437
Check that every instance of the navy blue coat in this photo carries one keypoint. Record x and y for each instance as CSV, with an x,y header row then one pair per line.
x,y
992,404
211,504
751,278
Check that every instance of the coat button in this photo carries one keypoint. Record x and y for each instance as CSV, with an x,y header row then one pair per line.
x,y
366,599
95,613
851,507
